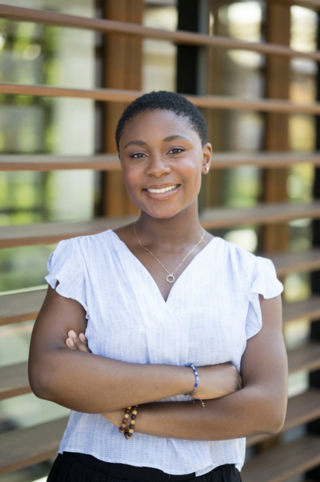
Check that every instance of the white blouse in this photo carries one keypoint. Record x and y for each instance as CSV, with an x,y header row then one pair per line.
x,y
212,310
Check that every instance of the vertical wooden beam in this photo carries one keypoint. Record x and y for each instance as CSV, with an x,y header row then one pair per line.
x,y
187,55
214,182
276,237
277,78
199,72
122,70
314,377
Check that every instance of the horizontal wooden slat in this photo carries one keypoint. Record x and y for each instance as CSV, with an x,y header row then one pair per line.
x,y
113,95
14,380
28,446
19,307
261,214
296,261
301,409
42,162
313,4
178,37
282,462
309,308
47,233
110,162
305,357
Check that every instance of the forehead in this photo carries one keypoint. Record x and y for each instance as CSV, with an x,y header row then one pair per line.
x,y
157,123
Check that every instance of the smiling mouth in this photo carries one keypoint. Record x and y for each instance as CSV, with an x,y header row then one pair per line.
x,y
160,191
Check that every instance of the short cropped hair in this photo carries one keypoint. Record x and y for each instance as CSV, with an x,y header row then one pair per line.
x,y
164,100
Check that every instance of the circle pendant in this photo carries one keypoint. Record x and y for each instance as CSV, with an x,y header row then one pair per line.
x,y
170,278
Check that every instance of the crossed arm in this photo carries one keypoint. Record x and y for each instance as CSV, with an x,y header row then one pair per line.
x,y
93,384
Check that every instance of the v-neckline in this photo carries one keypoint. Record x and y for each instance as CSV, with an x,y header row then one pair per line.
x,y
143,268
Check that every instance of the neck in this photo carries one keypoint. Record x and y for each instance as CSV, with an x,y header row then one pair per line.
x,y
170,233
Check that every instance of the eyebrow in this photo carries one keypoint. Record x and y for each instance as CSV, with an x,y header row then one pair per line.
x,y
166,139
174,137
135,143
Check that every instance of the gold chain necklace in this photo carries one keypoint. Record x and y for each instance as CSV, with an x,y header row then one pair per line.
x,y
170,277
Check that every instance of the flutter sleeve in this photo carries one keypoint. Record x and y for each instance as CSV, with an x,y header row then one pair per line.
x,y
263,281
66,267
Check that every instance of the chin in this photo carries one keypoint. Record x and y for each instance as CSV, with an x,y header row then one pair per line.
x,y
163,213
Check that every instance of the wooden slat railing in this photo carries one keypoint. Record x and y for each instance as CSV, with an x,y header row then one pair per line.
x,y
313,4
261,214
110,162
48,233
282,462
296,261
178,37
20,307
28,446
309,308
305,357
14,380
301,409
43,162
114,95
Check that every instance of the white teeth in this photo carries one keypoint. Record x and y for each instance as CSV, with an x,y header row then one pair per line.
x,y
158,191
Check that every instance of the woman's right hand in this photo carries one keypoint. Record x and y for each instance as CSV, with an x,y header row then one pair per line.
x,y
217,381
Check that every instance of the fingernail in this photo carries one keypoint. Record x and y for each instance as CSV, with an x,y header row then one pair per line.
x,y
82,337
72,333
70,342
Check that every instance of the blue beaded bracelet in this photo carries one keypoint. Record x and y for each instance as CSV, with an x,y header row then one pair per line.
x,y
196,374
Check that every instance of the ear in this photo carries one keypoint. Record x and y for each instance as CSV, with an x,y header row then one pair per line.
x,y
206,159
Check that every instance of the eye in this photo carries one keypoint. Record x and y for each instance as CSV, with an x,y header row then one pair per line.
x,y
176,150
138,155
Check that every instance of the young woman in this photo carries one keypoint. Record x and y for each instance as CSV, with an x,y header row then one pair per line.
x,y
152,298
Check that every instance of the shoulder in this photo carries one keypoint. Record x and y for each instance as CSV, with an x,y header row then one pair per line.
x,y
83,247
235,255
81,243
242,263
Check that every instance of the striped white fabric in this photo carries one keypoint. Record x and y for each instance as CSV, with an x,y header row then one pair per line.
x,y
212,309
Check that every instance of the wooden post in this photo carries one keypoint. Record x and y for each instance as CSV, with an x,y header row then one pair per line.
x,y
314,377
217,119
199,72
276,237
122,70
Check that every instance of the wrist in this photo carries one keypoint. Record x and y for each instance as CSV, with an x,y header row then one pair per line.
x,y
189,380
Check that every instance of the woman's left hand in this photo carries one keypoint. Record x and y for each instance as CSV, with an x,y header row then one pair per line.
x,y
80,343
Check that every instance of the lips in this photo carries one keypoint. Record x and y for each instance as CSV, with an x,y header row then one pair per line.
x,y
161,190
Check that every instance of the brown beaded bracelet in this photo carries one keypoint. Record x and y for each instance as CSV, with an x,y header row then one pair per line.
x,y
128,432
125,420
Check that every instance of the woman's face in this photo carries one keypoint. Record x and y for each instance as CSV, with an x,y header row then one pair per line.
x,y
162,161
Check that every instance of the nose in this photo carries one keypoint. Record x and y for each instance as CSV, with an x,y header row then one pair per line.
x,y
157,166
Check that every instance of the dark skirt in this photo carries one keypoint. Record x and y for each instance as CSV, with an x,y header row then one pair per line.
x,y
75,467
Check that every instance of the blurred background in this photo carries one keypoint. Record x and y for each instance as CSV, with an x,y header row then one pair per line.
x,y
34,53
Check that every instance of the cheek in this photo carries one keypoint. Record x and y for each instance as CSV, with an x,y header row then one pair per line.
x,y
191,171
131,177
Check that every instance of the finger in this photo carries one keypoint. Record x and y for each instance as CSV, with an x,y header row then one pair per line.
x,y
70,344
83,338
77,341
